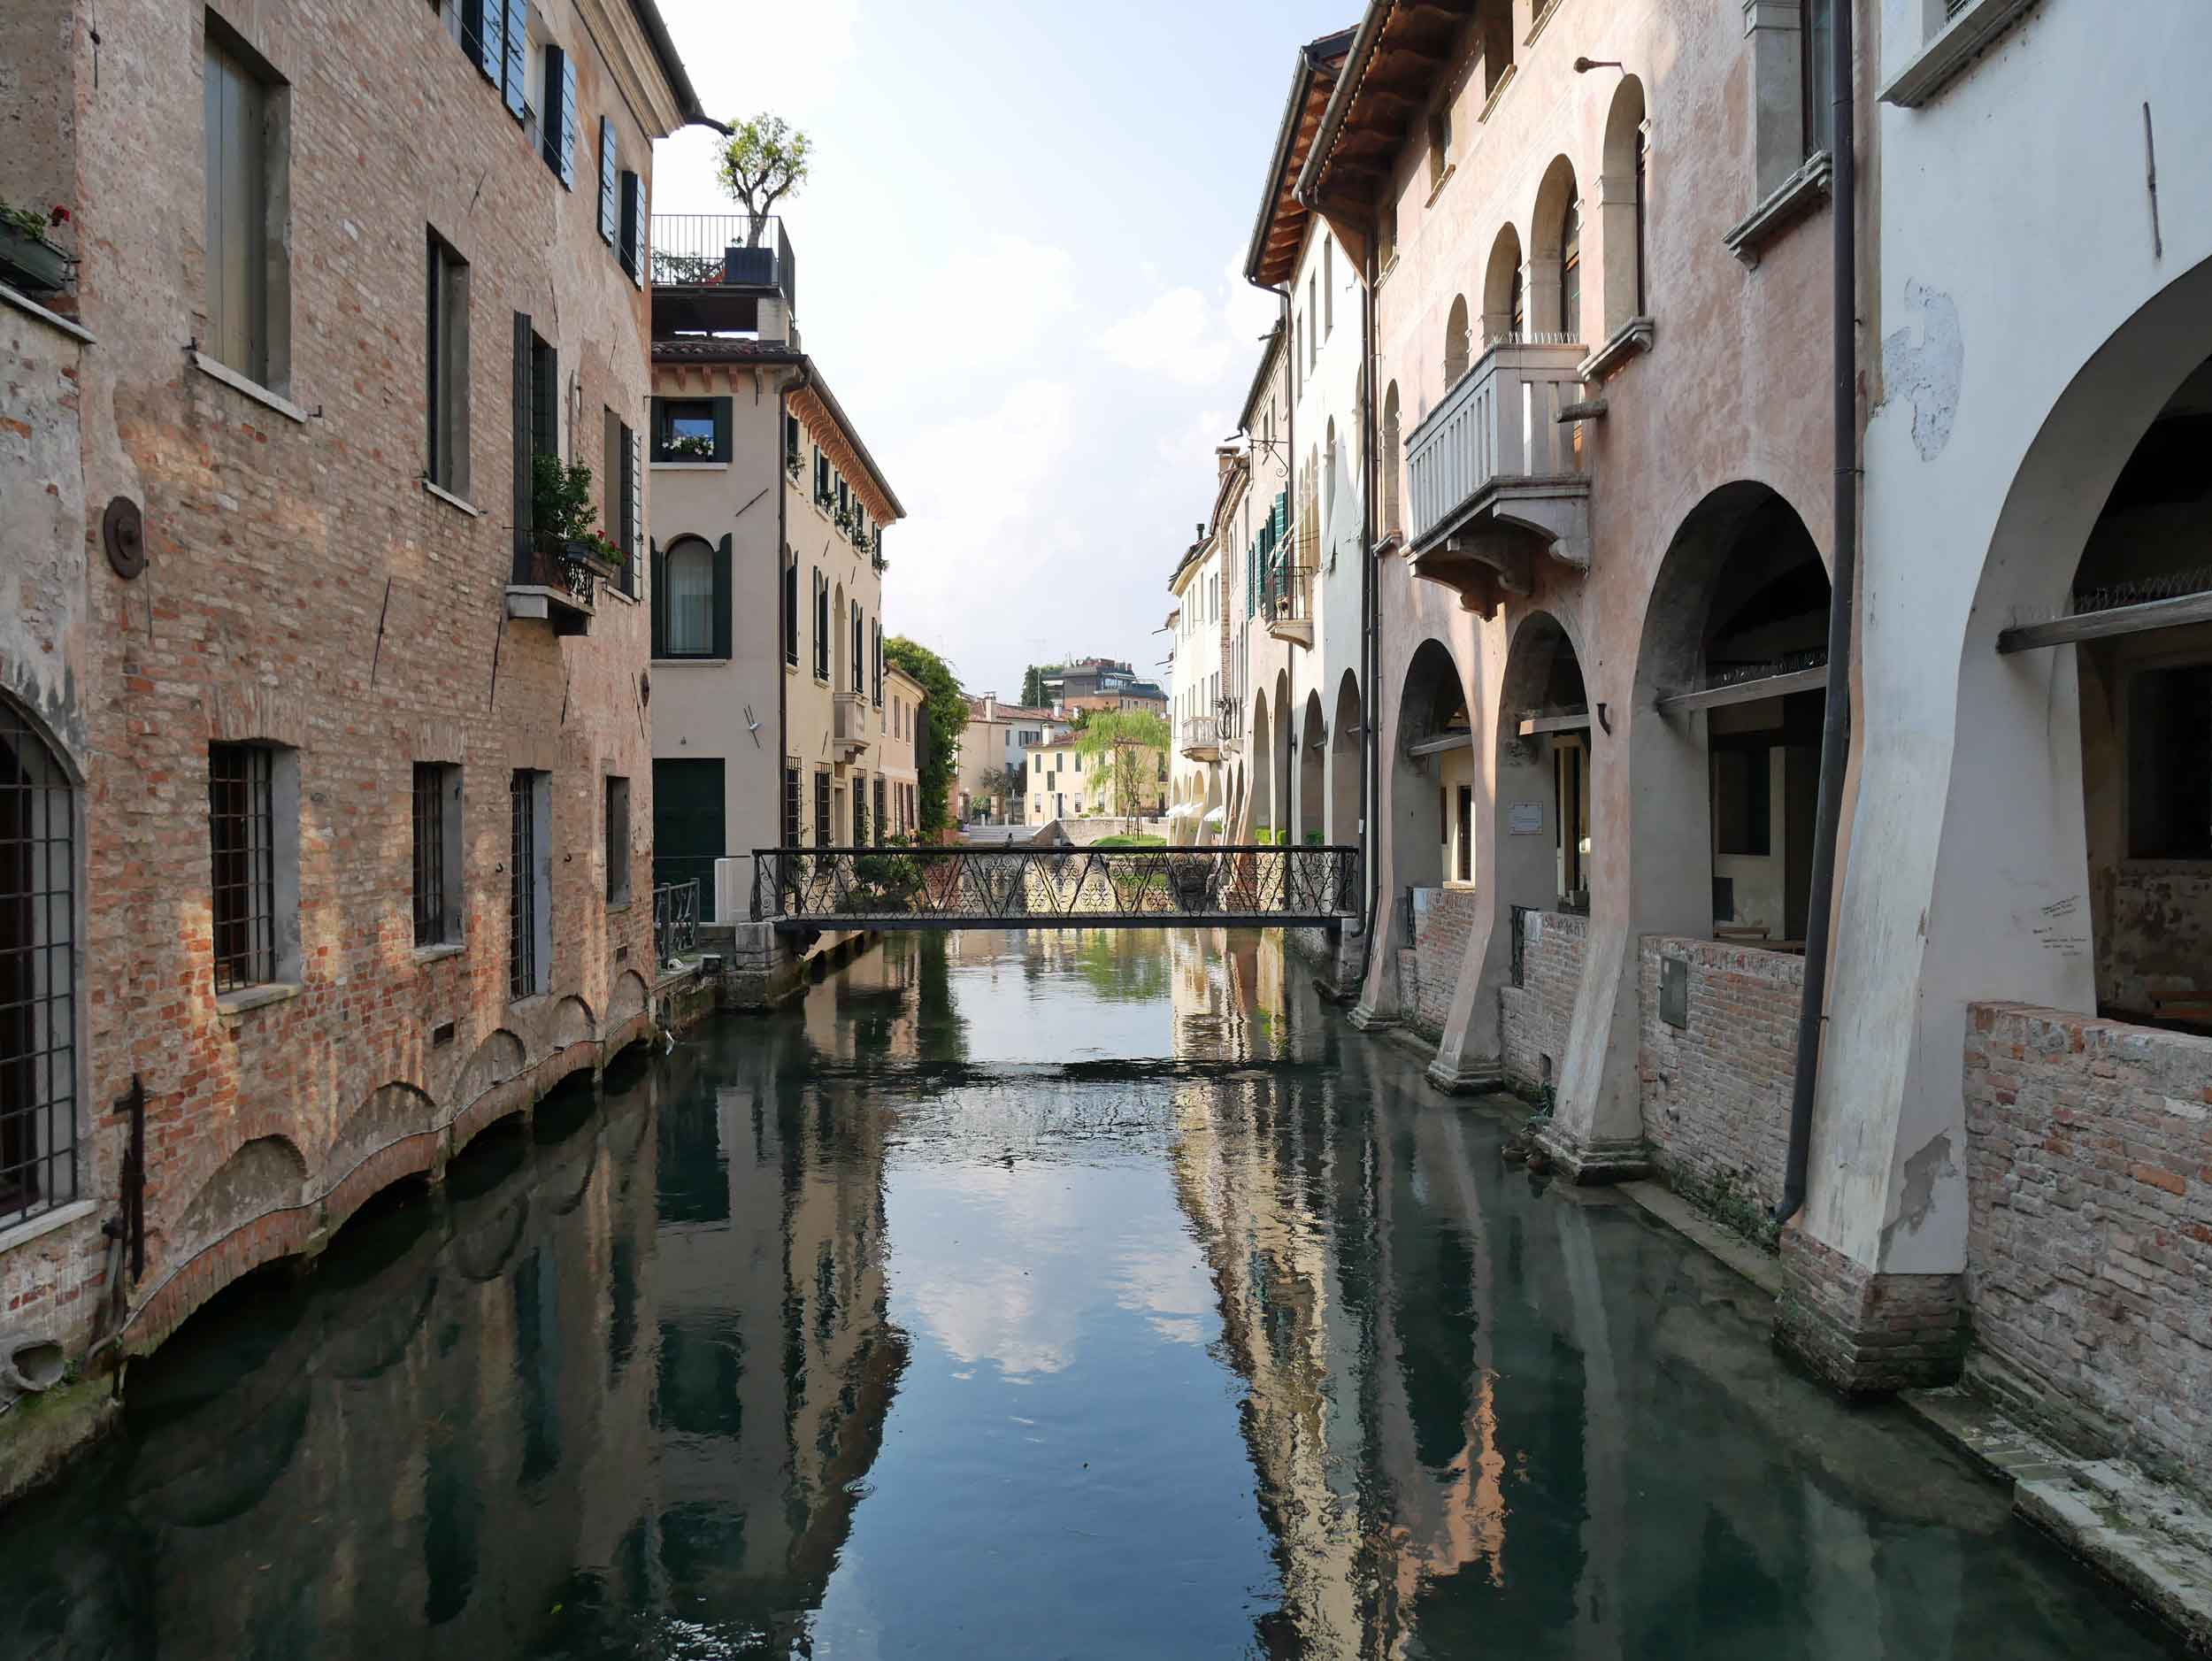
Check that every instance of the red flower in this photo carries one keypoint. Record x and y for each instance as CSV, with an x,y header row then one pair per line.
x,y
57,214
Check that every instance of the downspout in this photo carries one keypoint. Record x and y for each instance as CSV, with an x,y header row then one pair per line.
x,y
1835,734
797,381
1281,786
1370,650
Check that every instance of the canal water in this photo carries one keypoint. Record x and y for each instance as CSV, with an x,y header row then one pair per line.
x,y
1024,1296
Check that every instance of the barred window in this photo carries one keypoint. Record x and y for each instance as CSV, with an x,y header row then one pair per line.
x,y
822,809
860,813
528,852
241,833
429,854
38,975
790,807
881,828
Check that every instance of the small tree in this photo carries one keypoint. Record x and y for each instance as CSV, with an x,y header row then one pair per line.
x,y
944,718
1132,742
763,160
1008,785
1033,683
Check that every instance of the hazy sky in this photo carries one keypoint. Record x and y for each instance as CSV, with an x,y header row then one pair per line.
x,y
1019,261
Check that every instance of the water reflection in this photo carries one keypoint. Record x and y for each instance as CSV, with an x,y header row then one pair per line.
x,y
1081,1294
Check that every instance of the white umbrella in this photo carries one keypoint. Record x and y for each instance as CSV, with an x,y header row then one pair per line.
x,y
1215,816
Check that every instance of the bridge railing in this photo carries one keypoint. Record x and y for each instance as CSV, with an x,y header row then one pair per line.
x,y
1019,887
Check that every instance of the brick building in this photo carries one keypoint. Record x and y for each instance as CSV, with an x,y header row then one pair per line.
x,y
327,785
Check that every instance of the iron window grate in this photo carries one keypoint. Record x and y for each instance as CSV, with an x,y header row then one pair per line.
x,y
430,919
38,1016
522,887
822,834
241,834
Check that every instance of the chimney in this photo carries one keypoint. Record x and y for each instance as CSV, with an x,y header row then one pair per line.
x,y
1225,459
990,706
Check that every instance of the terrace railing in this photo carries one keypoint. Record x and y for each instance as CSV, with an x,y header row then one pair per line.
x,y
743,249
675,921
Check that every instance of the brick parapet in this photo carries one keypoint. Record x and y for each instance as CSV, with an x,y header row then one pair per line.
x,y
2089,1230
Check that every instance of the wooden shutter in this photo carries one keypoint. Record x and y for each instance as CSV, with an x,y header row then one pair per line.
x,y
633,498
722,597
524,408
571,123
491,39
517,72
606,182
722,429
656,572
633,227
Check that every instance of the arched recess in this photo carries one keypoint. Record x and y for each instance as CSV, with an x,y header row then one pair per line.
x,y
1457,341
1555,277
1726,777
265,1174
1435,761
1313,743
1544,853
627,999
38,970
390,1113
572,1023
1261,803
1285,757
1504,303
1347,756
1390,461
687,569
1621,198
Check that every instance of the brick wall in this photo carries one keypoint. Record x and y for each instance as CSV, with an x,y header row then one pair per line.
x,y
1442,919
1534,1016
1716,1093
2089,1234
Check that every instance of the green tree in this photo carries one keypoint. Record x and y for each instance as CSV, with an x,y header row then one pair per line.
x,y
944,718
1033,683
1009,785
763,160
1132,743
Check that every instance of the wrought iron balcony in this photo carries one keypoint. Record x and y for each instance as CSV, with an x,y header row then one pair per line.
x,y
1201,738
1495,474
555,582
1287,602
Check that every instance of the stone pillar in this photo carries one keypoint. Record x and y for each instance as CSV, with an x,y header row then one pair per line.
x,y
1864,1333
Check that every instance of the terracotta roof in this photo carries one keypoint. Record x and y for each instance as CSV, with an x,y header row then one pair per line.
x,y
1272,258
718,348
1400,51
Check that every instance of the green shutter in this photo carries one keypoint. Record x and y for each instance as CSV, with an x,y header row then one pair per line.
x,y
633,498
525,407
606,182
658,570
722,596
633,227
722,429
571,123
491,39
517,74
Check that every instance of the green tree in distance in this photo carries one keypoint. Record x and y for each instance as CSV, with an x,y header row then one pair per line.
x,y
763,160
944,718
1131,742
1033,684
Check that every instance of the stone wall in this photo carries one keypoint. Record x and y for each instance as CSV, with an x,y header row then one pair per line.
x,y
1534,1015
2089,1244
1716,1093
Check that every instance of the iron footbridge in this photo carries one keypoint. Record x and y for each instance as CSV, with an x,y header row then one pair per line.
x,y
803,889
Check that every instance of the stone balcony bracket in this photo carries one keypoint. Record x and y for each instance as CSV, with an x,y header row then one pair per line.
x,y
1631,338
1797,196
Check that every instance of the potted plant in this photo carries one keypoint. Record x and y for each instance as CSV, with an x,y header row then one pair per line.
x,y
691,447
562,514
25,255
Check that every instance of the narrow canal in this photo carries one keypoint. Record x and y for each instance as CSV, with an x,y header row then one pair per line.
x,y
1018,1295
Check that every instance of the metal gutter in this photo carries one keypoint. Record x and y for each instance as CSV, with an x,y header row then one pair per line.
x,y
671,63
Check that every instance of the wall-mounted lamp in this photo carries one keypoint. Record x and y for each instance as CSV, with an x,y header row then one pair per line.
x,y
1583,66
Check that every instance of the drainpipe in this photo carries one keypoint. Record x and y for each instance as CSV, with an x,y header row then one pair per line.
x,y
1370,646
797,381
1835,734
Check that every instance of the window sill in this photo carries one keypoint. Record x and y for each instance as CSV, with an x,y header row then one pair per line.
x,y
1796,197
1544,15
687,466
253,390
452,501
1490,104
1436,189
29,307
1389,266
230,1005
615,907
46,1223
689,663
1949,54
1634,337
613,593
440,952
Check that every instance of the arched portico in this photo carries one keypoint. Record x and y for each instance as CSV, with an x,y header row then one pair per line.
x,y
1347,756
1261,803
1313,743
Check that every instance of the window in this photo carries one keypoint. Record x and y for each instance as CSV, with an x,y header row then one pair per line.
x,y
1390,447
38,974
689,576
1455,340
247,159
821,807
446,340
1328,289
821,627
2168,765
860,811
1571,271
536,379
1742,800
529,882
876,660
791,459
691,429
437,820
859,656
632,244
1464,853
1816,59
617,834
790,806
242,835
790,611
558,132
622,512
1313,310
1439,144
609,183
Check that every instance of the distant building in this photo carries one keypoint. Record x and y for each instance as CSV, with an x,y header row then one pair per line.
x,y
992,750
1064,783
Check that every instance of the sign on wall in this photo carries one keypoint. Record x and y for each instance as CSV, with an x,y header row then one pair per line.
x,y
1525,819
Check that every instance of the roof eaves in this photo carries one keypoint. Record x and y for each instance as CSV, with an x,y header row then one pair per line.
x,y
820,388
1347,88
1311,57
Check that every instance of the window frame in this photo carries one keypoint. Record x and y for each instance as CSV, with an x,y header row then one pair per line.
x,y
447,462
616,838
247,301
41,1131
436,809
243,860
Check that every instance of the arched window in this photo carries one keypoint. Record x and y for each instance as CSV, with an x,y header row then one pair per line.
x,y
1621,206
1502,308
689,606
1328,490
790,608
1555,273
1390,461
1455,343
1571,271
38,974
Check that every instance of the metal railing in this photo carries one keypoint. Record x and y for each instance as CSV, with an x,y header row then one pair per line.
x,y
675,921
739,248
1500,421
1038,887
548,562
1286,594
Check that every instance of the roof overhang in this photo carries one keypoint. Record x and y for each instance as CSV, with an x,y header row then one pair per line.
x,y
1279,235
1400,51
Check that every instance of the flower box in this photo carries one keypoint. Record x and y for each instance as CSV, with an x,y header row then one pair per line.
x,y
31,262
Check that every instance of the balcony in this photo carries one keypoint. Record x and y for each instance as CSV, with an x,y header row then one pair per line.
x,y
555,583
1201,738
848,728
1286,602
719,273
1495,474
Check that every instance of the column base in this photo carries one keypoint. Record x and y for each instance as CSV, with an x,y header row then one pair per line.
x,y
1369,1019
1467,1075
1594,1162
1863,1334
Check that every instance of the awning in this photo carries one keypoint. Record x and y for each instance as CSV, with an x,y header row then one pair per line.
x,y
1215,816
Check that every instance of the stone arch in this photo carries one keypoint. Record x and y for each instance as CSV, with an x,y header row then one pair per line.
x,y
1283,758
572,1023
1623,210
1347,758
1260,801
1313,745
1549,766
1725,794
626,1000
1554,245
1457,342
499,1057
1435,754
1504,300
268,1173
389,1113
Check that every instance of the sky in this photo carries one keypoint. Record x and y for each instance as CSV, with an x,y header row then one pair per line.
x,y
1020,257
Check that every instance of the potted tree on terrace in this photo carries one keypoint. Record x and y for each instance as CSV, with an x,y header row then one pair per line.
x,y
763,160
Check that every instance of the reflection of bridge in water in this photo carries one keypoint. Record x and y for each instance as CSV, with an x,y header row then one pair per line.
x,y
893,888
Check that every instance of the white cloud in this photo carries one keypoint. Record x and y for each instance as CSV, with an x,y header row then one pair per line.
x,y
1181,337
